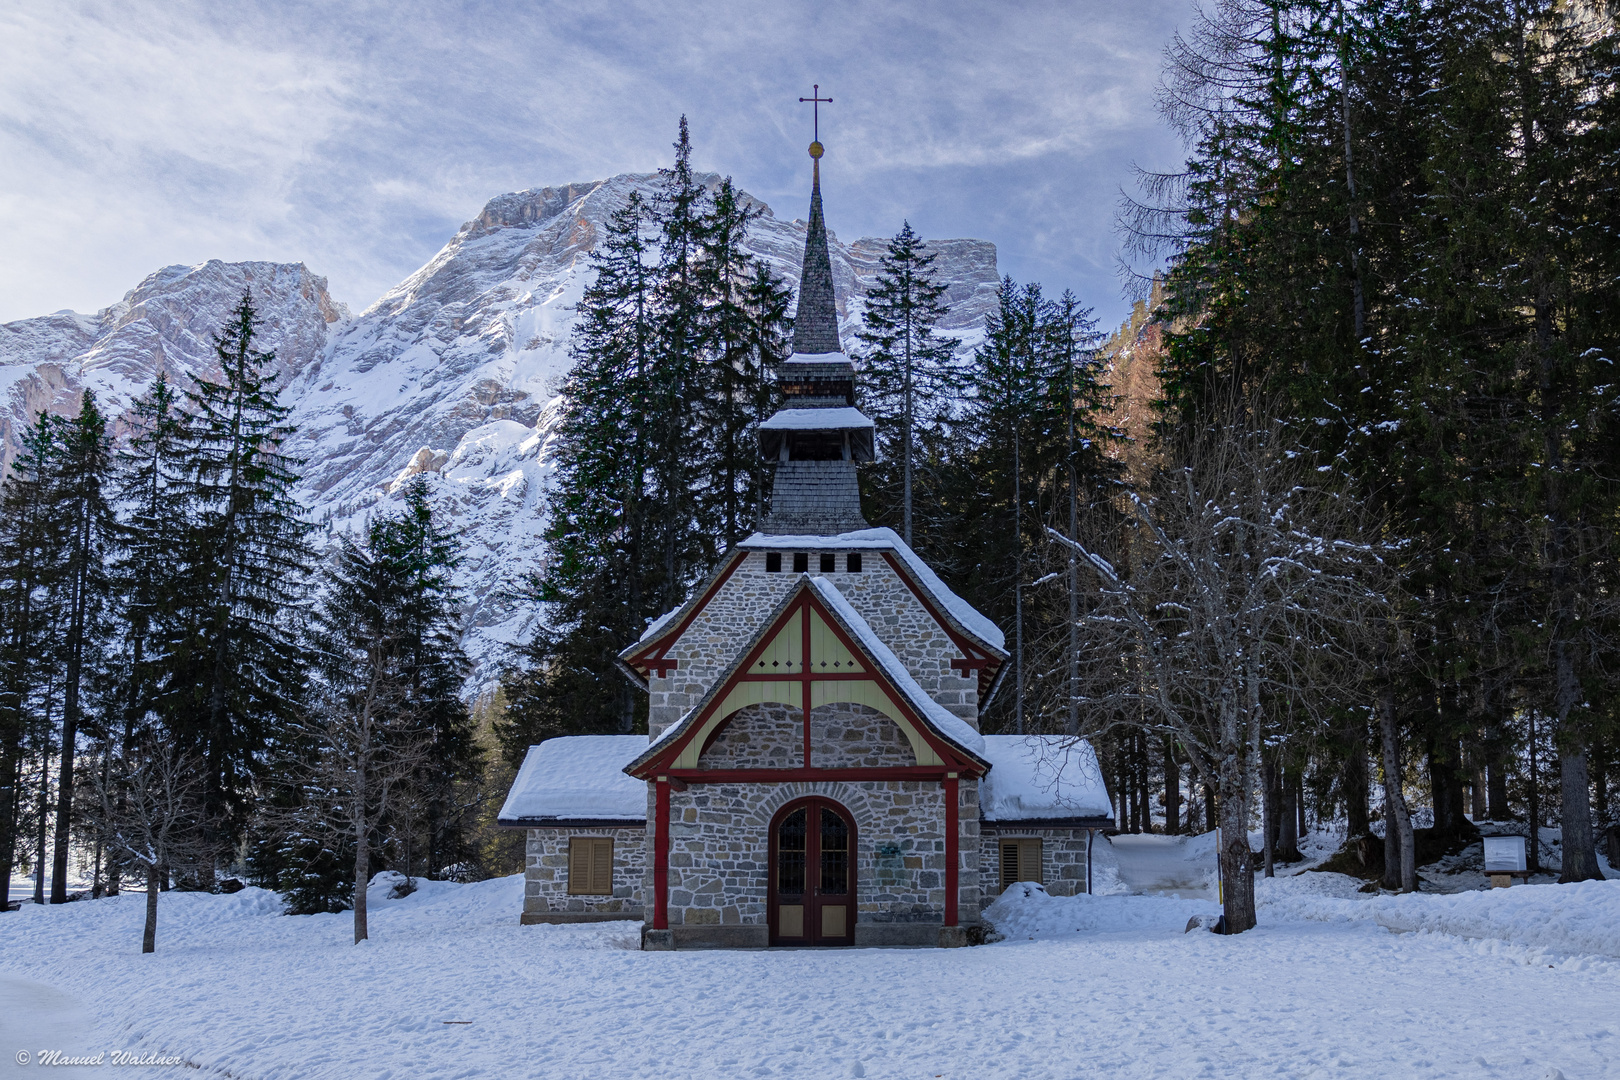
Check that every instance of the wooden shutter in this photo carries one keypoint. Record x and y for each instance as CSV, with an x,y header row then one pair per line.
x,y
1029,861
590,866
602,866
1020,861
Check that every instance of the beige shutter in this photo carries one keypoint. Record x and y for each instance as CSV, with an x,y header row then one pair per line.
x,y
579,863
602,866
1009,863
590,866
1029,861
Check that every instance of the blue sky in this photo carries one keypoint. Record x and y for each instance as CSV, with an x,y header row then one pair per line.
x,y
356,137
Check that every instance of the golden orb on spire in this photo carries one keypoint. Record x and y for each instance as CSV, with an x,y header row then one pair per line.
x,y
816,149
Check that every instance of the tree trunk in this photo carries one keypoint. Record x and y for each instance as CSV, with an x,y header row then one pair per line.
x,y
362,877
1400,853
1299,804
1496,790
1172,789
1353,782
1210,819
1268,812
149,935
1237,861
1288,834
1533,798
1579,843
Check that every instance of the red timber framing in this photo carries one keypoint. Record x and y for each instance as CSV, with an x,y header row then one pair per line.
x,y
661,855
797,668
653,658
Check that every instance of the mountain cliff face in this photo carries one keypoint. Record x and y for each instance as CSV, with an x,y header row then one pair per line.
x,y
453,373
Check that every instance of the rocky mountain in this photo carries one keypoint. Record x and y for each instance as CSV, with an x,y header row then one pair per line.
x,y
453,373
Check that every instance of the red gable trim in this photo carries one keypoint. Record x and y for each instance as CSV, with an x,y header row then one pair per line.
x,y
972,658
653,658
806,601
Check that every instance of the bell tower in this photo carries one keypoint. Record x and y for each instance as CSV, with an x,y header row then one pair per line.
x,y
818,436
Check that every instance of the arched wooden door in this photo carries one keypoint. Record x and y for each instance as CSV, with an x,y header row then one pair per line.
x,y
812,895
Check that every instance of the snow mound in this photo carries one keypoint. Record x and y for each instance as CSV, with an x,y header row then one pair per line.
x,y
1582,918
1026,911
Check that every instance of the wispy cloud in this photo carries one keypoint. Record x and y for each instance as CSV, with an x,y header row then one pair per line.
x,y
356,136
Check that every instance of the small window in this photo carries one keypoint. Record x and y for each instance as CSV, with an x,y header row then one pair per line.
x,y
1020,861
853,562
590,866
801,562
829,562
773,562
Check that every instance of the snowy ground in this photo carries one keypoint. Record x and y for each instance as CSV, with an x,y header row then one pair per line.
x,y
1513,983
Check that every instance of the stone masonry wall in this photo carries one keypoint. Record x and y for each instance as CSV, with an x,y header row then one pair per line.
x,y
848,735
735,613
764,736
545,871
720,850
1063,857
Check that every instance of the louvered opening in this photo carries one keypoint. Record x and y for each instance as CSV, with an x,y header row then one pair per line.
x,y
1020,861
590,866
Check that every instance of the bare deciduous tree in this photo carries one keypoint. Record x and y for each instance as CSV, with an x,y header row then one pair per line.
x,y
150,812
1251,594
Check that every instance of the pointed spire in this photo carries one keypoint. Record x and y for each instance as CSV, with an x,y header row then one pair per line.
x,y
815,326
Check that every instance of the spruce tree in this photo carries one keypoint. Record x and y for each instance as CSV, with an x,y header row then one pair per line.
x,y
238,669
433,664
906,373
86,529
605,539
29,572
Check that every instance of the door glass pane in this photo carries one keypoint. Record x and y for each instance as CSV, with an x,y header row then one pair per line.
x,y
790,838
834,854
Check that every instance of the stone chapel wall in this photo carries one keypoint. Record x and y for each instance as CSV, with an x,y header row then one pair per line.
x,y
545,873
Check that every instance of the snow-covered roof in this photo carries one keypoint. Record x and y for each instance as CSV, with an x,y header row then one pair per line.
x,y
1036,777
817,420
948,723
818,358
960,610
577,778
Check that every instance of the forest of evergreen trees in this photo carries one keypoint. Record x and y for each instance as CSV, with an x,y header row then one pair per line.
x,y
1326,531
186,687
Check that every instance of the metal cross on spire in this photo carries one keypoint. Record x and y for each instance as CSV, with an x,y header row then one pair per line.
x,y
816,99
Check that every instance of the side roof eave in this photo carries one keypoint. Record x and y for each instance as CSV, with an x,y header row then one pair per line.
x,y
674,738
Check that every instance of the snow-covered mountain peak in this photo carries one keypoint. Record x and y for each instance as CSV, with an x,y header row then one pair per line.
x,y
453,374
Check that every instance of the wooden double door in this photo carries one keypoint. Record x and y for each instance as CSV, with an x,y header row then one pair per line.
x,y
812,895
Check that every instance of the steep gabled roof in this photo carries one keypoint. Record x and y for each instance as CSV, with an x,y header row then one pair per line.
x,y
814,642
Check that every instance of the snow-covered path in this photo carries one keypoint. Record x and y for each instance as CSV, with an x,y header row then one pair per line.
x,y
1096,987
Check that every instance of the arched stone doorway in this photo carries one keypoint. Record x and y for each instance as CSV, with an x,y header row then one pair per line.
x,y
812,894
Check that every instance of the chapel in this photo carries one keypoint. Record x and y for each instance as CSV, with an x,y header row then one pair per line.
x,y
813,772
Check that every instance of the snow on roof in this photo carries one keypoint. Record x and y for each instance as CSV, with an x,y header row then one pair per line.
x,y
1041,776
818,358
578,777
954,727
816,420
959,609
